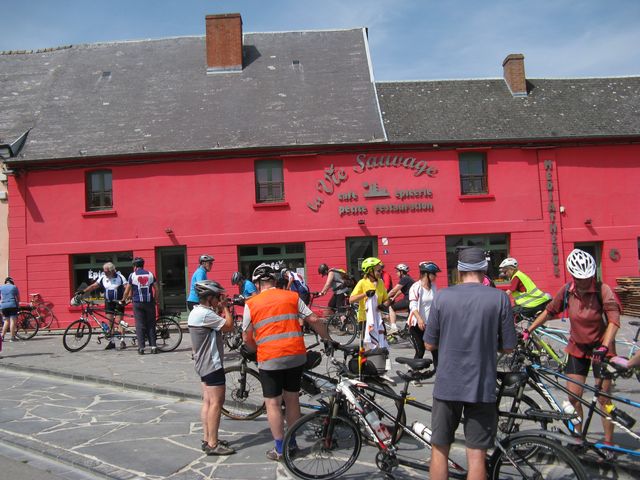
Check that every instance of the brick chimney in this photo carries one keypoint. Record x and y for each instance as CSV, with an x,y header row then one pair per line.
x,y
513,72
224,43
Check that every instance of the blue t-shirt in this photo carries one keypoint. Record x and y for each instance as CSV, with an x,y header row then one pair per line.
x,y
248,289
199,275
9,296
141,281
469,323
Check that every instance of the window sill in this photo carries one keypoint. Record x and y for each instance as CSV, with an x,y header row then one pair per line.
x,y
271,205
100,213
484,196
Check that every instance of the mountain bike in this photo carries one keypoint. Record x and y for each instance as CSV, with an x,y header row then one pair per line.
x,y
78,333
325,444
342,323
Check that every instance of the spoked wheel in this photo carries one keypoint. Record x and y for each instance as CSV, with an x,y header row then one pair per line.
x,y
319,446
243,398
168,334
26,326
534,457
45,316
343,328
233,339
388,404
77,336
510,425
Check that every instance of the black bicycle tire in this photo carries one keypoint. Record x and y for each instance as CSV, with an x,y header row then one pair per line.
x,y
385,402
340,334
538,444
162,327
69,332
46,320
526,402
290,456
27,325
231,393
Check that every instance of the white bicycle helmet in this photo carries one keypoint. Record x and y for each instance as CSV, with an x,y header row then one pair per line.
x,y
580,264
401,267
509,262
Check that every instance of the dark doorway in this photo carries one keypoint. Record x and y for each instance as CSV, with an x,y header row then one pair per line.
x,y
359,248
172,278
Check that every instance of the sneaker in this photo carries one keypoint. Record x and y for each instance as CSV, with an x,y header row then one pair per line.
x,y
274,455
123,345
154,350
13,339
141,351
204,444
219,449
110,346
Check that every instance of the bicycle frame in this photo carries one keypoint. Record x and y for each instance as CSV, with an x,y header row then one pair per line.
x,y
90,311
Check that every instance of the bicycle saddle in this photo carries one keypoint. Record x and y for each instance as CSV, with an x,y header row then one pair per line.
x,y
415,363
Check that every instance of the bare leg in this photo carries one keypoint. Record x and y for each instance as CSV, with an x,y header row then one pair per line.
x,y
477,466
606,424
274,416
439,469
576,390
216,399
204,412
292,404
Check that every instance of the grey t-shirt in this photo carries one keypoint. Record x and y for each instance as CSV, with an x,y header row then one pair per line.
x,y
469,323
206,339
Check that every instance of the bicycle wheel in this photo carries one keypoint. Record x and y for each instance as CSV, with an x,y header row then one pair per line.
x,y
45,315
508,425
319,446
342,327
233,339
389,405
545,459
556,357
26,325
243,393
77,335
168,334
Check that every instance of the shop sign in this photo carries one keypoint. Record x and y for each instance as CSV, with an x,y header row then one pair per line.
x,y
335,177
553,226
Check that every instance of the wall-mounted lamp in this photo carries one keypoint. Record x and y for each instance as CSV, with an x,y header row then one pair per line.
x,y
361,221
587,221
168,231
562,209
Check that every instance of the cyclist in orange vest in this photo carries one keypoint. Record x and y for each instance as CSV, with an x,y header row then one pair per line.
x,y
271,326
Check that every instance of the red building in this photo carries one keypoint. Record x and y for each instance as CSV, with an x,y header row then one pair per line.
x,y
282,147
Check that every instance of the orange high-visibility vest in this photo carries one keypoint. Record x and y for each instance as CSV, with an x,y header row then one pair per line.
x,y
274,317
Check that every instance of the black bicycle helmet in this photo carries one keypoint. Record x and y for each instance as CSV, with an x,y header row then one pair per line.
x,y
263,272
138,262
429,267
9,280
323,269
206,258
236,278
206,288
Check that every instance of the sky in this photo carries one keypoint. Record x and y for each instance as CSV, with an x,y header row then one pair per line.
x,y
408,39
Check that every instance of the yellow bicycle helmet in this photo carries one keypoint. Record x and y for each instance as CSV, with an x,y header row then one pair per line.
x,y
369,263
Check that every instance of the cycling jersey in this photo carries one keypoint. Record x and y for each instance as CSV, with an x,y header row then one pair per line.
x,y
199,275
113,287
248,289
141,282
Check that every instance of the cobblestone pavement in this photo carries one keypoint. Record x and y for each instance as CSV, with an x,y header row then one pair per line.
x,y
122,415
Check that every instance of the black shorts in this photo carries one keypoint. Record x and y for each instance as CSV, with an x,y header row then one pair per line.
x,y
214,379
115,307
10,312
480,426
401,305
274,381
580,366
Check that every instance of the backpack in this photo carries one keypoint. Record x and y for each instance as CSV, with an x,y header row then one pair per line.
x,y
348,280
298,284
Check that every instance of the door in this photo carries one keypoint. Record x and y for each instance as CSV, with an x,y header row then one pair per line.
x,y
359,248
172,278
595,250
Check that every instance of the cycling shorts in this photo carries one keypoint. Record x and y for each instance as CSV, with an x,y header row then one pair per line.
x,y
10,312
401,304
113,307
580,366
214,379
274,381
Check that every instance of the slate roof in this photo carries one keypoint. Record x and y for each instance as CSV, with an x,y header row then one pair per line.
x,y
484,110
297,88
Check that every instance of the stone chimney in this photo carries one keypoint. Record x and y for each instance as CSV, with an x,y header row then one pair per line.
x,y
513,72
224,43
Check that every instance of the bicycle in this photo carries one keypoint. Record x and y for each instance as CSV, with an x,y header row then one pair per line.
x,y
342,323
27,325
543,380
42,310
325,444
78,334
233,339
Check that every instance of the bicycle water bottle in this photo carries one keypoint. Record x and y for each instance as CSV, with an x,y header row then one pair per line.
x,y
124,324
622,417
568,408
422,430
378,427
105,327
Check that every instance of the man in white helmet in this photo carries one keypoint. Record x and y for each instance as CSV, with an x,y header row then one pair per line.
x,y
529,299
594,316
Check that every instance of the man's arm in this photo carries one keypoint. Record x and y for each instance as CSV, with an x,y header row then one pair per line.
x,y
327,284
126,296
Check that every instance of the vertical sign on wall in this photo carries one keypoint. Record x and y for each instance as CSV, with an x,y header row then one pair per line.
x,y
553,227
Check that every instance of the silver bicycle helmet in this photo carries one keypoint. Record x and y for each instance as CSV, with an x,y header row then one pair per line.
x,y
401,267
263,272
236,278
207,288
580,264
206,258
509,262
